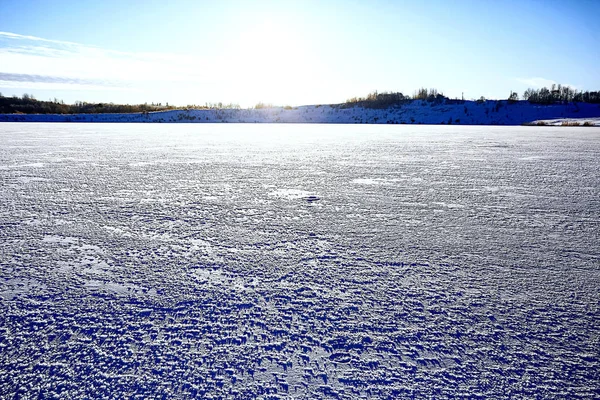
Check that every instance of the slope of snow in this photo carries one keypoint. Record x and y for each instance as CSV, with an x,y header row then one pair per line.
x,y
492,112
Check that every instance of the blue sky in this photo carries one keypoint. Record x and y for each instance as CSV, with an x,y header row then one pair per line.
x,y
292,52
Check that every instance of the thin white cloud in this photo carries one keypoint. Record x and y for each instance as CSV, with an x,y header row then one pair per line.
x,y
54,86
35,38
30,55
538,83
9,77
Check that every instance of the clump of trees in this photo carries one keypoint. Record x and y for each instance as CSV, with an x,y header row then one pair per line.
x,y
429,95
28,104
260,105
560,94
387,99
587,97
378,100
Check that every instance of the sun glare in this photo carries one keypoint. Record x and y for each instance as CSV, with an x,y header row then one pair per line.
x,y
274,63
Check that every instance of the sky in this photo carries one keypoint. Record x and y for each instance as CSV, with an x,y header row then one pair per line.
x,y
292,52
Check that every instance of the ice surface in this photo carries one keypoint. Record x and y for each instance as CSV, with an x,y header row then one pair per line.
x,y
164,261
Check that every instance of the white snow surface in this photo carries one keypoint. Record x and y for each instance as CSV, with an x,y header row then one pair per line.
x,y
569,122
456,112
189,261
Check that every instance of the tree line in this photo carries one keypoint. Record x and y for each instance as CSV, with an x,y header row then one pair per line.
x,y
28,104
560,94
555,94
386,99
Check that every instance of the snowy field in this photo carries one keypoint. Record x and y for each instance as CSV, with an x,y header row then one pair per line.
x,y
299,261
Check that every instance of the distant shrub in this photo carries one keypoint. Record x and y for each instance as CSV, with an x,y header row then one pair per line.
x,y
260,105
377,100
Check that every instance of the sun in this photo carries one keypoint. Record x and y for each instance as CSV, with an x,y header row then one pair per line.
x,y
275,63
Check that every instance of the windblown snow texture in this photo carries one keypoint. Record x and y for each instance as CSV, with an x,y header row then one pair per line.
x,y
298,261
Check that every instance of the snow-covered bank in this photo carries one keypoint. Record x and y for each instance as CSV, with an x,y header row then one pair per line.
x,y
491,112
568,122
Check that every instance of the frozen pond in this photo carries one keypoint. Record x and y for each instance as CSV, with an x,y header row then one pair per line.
x,y
299,261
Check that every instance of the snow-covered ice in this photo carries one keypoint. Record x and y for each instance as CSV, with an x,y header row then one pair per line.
x,y
194,261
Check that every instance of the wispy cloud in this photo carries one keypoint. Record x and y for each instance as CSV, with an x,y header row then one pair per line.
x,y
9,77
35,38
538,83
32,59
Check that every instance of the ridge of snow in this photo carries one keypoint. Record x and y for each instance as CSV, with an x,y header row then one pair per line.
x,y
568,122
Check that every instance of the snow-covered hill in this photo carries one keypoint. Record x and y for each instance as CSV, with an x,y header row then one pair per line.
x,y
491,112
